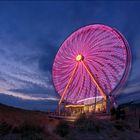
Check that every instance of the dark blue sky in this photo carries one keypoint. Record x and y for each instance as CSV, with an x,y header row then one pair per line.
x,y
31,34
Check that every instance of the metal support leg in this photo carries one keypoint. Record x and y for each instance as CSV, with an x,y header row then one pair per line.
x,y
64,92
93,79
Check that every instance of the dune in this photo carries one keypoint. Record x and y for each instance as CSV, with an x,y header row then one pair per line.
x,y
14,119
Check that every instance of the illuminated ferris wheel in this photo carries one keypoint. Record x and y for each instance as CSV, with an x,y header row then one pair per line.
x,y
94,61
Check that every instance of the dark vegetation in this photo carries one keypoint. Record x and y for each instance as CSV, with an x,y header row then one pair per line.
x,y
84,123
25,131
62,129
17,124
93,128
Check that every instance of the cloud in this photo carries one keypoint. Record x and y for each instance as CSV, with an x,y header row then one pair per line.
x,y
30,37
25,96
45,61
28,97
42,105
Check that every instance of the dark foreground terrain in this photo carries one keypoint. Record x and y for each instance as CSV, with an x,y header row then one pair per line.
x,y
18,124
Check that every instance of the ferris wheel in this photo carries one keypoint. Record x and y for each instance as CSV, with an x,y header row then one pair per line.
x,y
94,61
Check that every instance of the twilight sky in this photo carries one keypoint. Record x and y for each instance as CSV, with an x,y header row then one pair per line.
x,y
31,34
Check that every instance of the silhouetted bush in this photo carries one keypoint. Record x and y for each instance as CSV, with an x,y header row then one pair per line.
x,y
29,131
62,129
113,111
5,128
87,124
30,128
25,131
122,125
118,126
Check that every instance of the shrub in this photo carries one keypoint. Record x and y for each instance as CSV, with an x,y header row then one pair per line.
x,y
87,124
5,128
119,125
62,128
29,131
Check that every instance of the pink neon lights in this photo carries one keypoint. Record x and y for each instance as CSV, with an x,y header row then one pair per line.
x,y
105,52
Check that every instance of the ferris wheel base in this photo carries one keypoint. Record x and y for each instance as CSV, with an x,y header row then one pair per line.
x,y
76,109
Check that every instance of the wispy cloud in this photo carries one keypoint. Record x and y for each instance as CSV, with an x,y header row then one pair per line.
x,y
30,36
25,96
